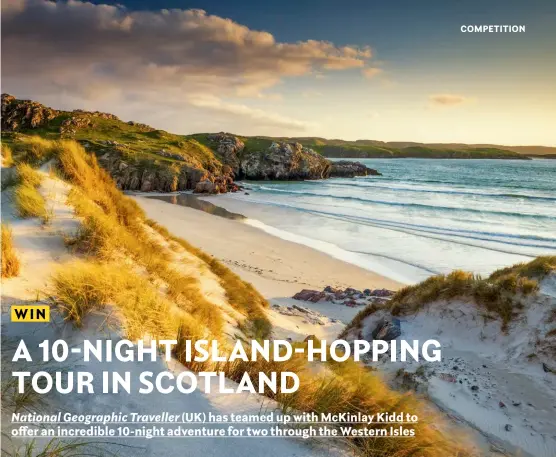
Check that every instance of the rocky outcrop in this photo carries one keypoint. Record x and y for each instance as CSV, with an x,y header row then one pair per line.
x,y
280,161
349,169
387,329
347,297
24,114
132,175
229,148
284,161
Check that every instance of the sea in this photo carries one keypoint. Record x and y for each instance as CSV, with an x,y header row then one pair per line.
x,y
420,218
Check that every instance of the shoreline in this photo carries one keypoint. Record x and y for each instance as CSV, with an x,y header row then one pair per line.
x,y
277,268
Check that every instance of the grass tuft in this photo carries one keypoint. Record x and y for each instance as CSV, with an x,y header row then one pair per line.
x,y
7,156
30,203
10,260
33,150
499,293
84,287
28,175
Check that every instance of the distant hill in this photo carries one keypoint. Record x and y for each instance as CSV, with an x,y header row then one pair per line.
x,y
379,149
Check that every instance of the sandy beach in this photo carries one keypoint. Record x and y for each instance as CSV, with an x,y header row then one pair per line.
x,y
276,267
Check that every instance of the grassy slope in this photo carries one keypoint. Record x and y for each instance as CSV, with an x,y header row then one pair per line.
x,y
498,294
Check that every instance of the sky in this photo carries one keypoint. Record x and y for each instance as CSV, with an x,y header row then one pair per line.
x,y
396,70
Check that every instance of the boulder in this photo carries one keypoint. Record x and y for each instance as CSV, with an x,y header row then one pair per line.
x,y
349,169
387,330
205,187
310,295
382,293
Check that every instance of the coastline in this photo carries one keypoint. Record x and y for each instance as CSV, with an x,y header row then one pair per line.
x,y
277,268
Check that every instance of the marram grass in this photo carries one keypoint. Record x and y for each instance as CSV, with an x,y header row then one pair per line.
x,y
10,259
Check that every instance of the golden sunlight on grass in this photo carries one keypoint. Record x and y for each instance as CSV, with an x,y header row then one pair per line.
x,y
346,387
83,287
7,156
10,260
30,203
33,150
240,294
28,175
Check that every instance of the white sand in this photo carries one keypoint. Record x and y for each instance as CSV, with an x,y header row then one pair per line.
x,y
276,267
40,247
514,404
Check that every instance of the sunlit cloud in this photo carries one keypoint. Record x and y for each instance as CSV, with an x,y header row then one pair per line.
x,y
447,99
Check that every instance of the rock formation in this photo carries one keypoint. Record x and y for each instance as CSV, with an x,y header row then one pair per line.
x,y
24,114
280,161
284,161
349,169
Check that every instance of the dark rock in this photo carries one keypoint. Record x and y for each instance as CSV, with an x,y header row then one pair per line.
x,y
501,404
547,369
367,292
516,403
205,187
26,114
508,427
474,388
301,309
349,169
382,293
331,290
387,330
310,295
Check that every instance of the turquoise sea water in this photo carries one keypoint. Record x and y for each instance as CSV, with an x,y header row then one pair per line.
x,y
421,217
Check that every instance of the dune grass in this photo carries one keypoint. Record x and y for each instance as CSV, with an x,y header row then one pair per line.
x,y
33,150
30,203
112,228
84,287
7,156
498,293
240,294
346,387
26,174
10,259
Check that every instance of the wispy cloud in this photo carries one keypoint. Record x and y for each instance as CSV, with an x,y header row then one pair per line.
x,y
447,99
371,72
261,117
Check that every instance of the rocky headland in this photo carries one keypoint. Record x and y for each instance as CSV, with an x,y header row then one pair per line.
x,y
141,158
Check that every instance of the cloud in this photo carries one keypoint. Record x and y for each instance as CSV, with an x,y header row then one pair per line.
x,y
96,55
59,43
261,117
447,99
371,72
